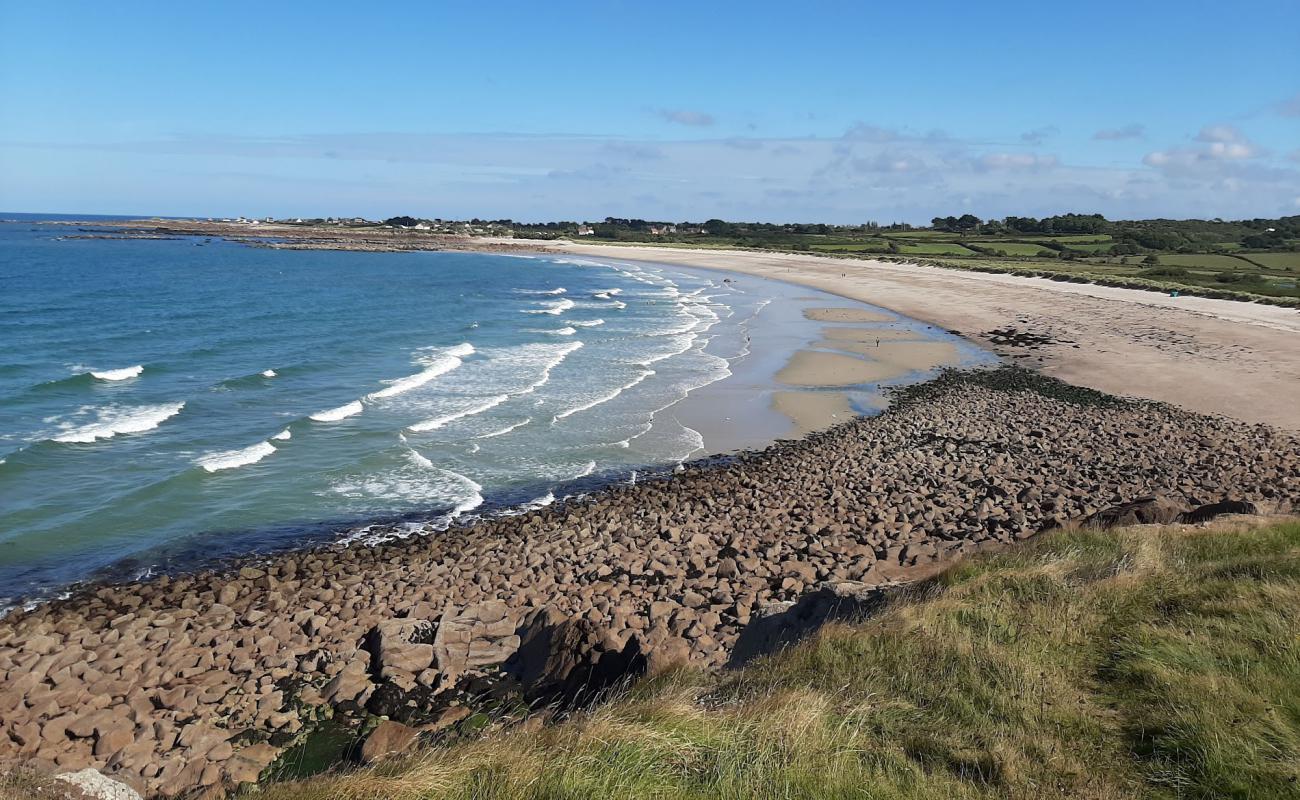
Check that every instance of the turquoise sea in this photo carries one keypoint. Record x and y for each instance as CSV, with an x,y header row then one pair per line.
x,y
163,402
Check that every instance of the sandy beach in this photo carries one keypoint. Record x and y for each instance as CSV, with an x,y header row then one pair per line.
x,y
1212,356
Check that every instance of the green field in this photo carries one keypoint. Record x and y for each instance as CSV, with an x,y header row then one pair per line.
x,y
865,246
1280,261
1205,261
935,249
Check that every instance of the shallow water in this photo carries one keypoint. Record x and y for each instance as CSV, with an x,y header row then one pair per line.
x,y
203,397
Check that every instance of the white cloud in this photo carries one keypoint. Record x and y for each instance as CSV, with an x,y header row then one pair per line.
x,y
907,177
1222,143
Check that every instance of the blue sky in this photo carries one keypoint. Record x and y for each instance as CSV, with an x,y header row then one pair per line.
x,y
816,111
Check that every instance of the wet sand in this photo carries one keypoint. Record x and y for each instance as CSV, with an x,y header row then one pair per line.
x,y
908,356
816,368
813,411
845,315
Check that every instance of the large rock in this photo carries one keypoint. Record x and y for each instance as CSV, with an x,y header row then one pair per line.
x,y
571,660
388,739
403,648
95,786
480,635
779,625
1154,510
246,765
1211,510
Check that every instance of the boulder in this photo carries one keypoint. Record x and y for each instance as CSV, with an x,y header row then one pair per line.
x,y
779,625
571,660
1211,510
480,635
389,738
1154,510
672,652
402,646
246,765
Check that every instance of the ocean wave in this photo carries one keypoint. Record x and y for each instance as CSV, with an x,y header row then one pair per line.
x,y
505,430
122,374
283,435
336,414
116,420
419,480
267,373
558,290
439,365
554,360
231,459
585,323
552,307
605,398
586,470
565,331
438,422
680,344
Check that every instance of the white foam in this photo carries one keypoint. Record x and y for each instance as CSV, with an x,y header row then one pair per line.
x,y
283,435
122,374
336,414
680,344
554,307
505,430
541,502
604,398
112,421
438,422
268,373
230,459
559,290
587,470
419,458
551,363
585,323
473,498
440,365
417,481
565,331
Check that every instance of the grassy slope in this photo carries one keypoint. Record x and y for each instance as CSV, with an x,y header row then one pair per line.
x,y
1143,663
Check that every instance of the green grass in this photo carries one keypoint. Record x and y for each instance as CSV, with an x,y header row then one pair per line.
x,y
864,246
935,249
1205,261
1148,663
1278,261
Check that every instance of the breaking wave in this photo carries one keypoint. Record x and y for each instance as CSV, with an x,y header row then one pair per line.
x,y
231,459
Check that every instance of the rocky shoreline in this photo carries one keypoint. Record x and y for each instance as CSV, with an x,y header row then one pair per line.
x,y
200,682
278,236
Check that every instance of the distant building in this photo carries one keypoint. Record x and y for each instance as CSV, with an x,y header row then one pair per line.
x,y
660,230
586,230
